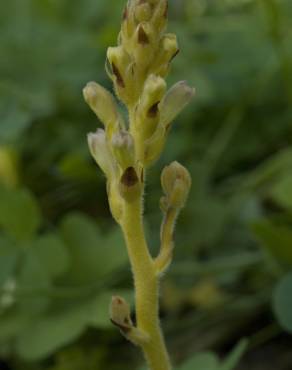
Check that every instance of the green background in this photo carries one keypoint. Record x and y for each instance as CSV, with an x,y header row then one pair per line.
x,y
61,255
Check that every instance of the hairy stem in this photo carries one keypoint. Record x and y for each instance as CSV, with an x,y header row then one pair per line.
x,y
146,287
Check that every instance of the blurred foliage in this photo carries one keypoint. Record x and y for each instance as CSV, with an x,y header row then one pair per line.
x,y
62,257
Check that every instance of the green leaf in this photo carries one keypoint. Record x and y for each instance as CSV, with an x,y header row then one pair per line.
x,y
19,213
277,239
201,361
93,255
48,333
234,356
34,284
52,254
11,324
282,302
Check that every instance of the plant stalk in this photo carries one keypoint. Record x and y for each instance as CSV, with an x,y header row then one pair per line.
x,y
146,281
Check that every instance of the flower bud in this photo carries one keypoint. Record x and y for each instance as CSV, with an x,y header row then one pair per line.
x,y
176,183
148,112
143,12
119,60
154,90
119,68
102,102
123,149
170,46
100,151
167,50
174,101
143,48
159,18
120,314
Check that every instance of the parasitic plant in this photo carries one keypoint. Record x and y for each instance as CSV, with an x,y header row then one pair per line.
x,y
124,150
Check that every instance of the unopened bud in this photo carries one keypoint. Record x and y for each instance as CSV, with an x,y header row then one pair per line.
x,y
167,50
176,183
120,314
102,102
123,148
154,90
174,101
170,46
148,111
118,59
143,12
160,15
100,151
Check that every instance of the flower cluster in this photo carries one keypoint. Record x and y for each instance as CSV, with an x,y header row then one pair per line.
x,y
137,67
124,148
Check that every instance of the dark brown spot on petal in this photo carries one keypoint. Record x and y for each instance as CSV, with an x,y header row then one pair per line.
x,y
143,39
129,177
118,75
153,110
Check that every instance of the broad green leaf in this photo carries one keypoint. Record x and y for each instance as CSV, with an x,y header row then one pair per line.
x,y
12,324
93,255
52,254
34,284
277,239
50,332
234,356
19,213
201,361
282,302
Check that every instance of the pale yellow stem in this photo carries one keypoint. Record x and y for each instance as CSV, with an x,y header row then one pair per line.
x,y
146,287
